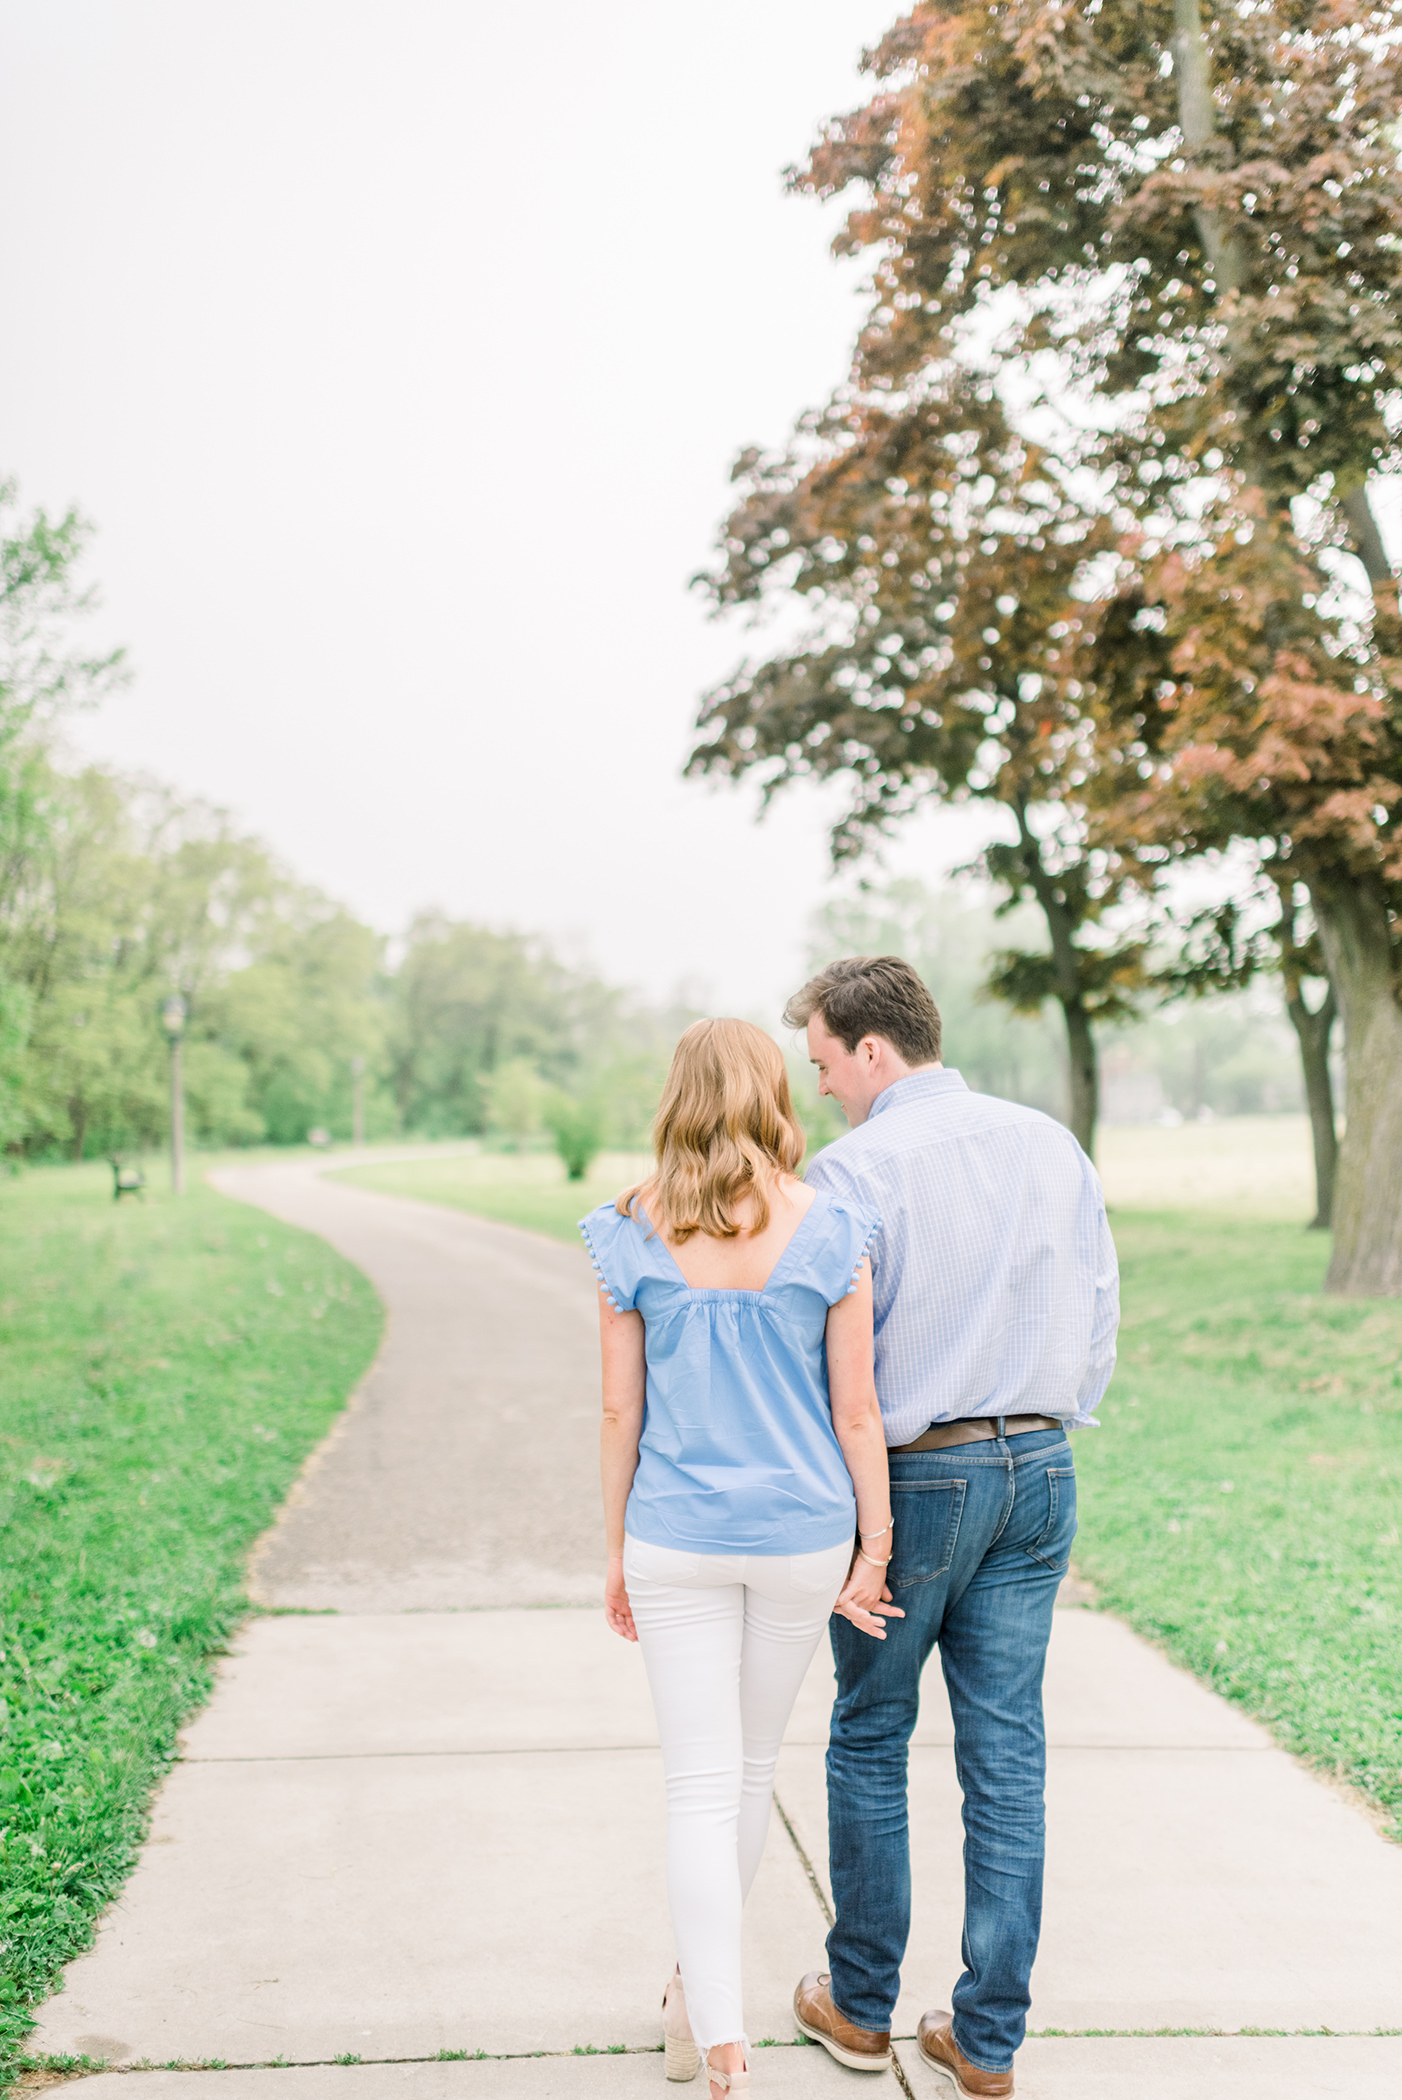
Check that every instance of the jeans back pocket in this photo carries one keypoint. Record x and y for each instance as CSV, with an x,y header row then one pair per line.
x,y
1053,1545
926,1515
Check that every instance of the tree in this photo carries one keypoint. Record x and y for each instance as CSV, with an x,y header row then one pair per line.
x,y
468,1000
1224,948
1301,958
1296,199
950,565
516,1095
15,1010
42,676
94,1065
311,997
1193,223
1279,731
137,893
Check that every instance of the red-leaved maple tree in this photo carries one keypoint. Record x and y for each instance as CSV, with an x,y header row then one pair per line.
x,y
1189,220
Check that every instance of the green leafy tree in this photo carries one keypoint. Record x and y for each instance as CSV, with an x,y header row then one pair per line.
x,y
138,893
472,1009
1187,226
516,1098
15,1013
312,997
95,1062
466,1001
955,650
43,675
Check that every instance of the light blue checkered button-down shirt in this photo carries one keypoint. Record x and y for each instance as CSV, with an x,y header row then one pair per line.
x,y
994,1273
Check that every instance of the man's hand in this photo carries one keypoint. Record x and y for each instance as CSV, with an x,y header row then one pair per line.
x,y
866,1599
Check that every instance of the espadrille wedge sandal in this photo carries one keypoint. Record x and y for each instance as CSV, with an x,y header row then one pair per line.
x,y
683,2058
729,2081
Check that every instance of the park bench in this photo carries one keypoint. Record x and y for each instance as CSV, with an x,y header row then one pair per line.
x,y
126,1181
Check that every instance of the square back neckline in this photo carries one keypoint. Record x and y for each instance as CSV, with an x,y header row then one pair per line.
x,y
705,1290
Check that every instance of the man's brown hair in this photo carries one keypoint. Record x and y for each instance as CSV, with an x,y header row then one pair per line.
x,y
871,995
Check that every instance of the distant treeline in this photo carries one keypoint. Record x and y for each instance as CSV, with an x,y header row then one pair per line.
x,y
124,893
115,895
119,894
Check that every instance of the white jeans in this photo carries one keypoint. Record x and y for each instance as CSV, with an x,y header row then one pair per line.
x,y
726,1638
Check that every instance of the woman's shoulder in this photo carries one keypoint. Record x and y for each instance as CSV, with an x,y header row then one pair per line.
x,y
615,1241
838,1237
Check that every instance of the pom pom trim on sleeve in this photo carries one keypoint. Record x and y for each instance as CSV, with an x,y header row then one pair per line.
x,y
862,1253
604,1285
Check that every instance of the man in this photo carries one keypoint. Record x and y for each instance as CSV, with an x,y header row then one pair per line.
x,y
997,1299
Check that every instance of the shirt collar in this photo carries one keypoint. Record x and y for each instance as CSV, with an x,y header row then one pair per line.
x,y
918,1086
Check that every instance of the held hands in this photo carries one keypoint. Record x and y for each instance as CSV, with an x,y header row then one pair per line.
x,y
617,1610
866,1598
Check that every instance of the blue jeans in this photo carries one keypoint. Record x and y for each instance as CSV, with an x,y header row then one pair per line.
x,y
982,1535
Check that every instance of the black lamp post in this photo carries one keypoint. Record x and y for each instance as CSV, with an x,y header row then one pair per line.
x,y
173,1022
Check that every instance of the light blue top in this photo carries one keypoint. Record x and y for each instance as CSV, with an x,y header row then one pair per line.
x,y
994,1282
738,1451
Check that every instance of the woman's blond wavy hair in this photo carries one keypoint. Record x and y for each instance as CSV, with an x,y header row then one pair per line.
x,y
725,1128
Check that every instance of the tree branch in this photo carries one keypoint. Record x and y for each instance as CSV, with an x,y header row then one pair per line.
x,y
1197,120
1367,540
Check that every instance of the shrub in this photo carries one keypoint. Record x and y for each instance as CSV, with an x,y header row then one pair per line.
x,y
577,1128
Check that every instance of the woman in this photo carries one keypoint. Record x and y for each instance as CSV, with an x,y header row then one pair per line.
x,y
742,1452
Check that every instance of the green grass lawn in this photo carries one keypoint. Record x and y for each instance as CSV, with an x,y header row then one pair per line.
x,y
1242,1503
520,1188
164,1369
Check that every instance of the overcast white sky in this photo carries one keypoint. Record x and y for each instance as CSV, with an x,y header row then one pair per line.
x,y
399,354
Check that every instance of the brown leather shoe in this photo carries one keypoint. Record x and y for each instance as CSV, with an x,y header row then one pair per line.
x,y
856,2047
935,2034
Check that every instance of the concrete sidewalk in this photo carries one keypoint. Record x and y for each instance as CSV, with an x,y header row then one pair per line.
x,y
398,1833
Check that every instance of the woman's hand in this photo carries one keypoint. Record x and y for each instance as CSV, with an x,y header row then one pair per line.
x,y
856,1418
617,1610
866,1599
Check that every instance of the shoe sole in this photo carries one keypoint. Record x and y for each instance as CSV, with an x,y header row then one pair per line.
x,y
682,2058
848,2058
944,2070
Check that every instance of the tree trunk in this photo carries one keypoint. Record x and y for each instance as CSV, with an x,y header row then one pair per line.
x,y
1084,1067
1367,540
1349,909
1197,119
1083,1062
1314,1031
1357,940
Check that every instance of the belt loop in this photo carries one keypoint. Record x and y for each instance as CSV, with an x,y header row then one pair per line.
x,y
1002,1425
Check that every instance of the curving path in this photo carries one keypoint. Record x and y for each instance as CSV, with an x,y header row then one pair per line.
x,y
465,1473
414,1843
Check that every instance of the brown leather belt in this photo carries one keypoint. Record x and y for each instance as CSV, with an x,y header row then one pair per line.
x,y
979,1429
